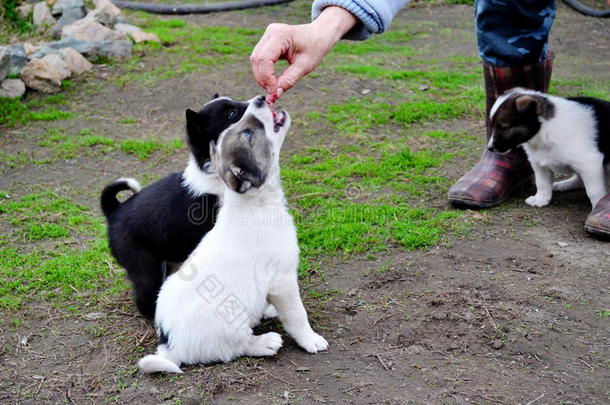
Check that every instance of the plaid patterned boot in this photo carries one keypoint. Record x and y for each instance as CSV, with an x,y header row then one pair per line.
x,y
496,176
598,221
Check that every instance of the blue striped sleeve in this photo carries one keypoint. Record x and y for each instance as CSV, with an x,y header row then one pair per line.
x,y
375,15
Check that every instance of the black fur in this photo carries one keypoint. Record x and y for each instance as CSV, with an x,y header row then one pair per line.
x,y
109,201
601,110
516,120
164,222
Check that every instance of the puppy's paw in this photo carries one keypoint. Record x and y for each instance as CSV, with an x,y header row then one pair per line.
x,y
313,343
567,185
265,345
537,201
270,312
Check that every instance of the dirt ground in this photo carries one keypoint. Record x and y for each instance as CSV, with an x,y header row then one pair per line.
x,y
508,313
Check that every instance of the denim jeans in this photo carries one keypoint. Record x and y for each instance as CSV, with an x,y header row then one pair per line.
x,y
511,32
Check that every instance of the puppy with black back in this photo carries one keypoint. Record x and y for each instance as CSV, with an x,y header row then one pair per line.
x,y
157,228
559,135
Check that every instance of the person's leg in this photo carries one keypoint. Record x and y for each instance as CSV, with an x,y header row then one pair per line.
x,y
512,38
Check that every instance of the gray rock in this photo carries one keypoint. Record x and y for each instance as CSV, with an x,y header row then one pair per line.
x,y
101,16
39,75
12,88
84,47
30,49
5,62
62,5
127,28
75,61
59,64
107,7
25,10
94,49
42,52
18,59
113,49
141,36
136,34
89,30
69,16
42,14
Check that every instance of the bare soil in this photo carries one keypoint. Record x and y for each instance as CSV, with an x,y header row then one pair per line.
x,y
505,314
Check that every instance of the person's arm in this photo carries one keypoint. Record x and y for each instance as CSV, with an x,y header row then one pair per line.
x,y
303,46
374,16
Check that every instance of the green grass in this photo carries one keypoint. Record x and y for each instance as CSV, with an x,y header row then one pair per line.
x,y
15,112
188,48
603,313
349,201
57,252
64,146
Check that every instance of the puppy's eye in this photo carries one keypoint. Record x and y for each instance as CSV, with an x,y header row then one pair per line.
x,y
248,134
231,114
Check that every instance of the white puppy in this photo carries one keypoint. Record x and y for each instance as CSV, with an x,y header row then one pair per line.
x,y
206,310
570,135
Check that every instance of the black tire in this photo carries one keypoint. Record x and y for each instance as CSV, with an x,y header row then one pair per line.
x,y
588,11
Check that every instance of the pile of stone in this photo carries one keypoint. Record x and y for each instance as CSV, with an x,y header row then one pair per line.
x,y
80,34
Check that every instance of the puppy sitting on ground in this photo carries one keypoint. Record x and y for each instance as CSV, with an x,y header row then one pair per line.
x,y
559,135
165,221
206,310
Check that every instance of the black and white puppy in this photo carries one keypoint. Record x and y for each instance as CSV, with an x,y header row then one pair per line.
x,y
206,310
163,223
559,135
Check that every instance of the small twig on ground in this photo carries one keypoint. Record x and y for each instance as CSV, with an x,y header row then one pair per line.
x,y
536,399
491,320
143,337
383,318
385,366
590,366
40,386
272,375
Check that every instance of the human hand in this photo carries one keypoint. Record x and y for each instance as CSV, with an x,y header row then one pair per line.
x,y
303,46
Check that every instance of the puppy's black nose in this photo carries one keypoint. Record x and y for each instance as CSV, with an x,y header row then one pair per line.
x,y
260,101
490,148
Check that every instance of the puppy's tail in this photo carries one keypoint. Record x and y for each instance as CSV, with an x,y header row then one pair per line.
x,y
156,363
109,201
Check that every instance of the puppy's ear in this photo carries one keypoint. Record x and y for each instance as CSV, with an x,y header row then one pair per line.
x,y
527,102
193,122
215,96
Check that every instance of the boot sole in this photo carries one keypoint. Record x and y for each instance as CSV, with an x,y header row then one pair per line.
x,y
598,233
479,205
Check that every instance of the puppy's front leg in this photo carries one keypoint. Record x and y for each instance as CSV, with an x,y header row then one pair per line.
x,y
286,298
593,176
544,187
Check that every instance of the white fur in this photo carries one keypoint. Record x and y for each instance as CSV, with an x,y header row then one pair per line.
x,y
199,182
133,184
565,143
249,259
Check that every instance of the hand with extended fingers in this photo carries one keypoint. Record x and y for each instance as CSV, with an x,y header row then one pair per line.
x,y
303,46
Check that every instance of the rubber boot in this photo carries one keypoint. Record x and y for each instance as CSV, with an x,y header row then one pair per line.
x,y
598,221
497,176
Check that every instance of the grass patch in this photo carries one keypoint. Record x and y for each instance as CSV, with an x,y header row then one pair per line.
x,y
191,48
14,111
68,271
603,313
360,115
354,202
68,147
